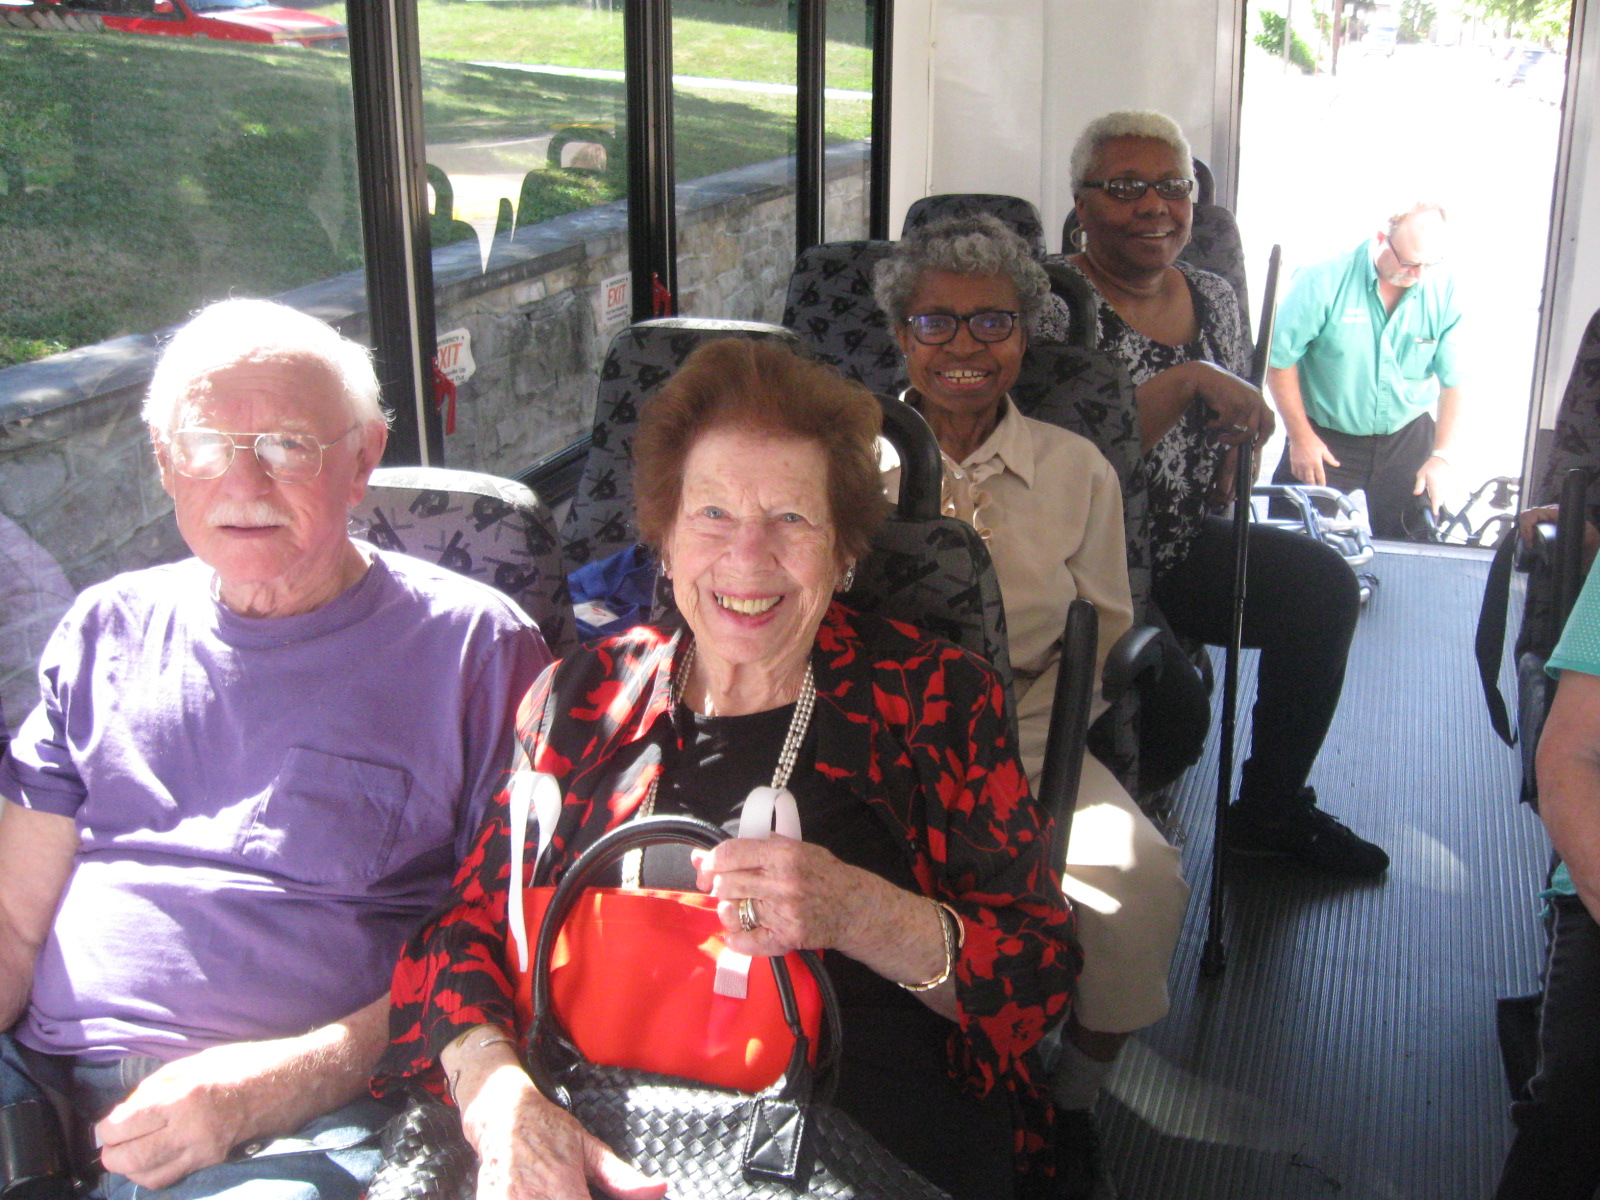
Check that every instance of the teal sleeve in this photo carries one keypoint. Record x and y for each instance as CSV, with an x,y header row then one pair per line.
x,y
1579,647
1300,318
1447,357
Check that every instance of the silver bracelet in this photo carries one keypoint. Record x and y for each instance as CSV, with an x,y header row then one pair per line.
x,y
494,1039
953,941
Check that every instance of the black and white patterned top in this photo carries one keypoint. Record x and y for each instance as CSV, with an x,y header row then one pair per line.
x,y
1180,468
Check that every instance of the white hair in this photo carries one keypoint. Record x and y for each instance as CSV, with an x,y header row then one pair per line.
x,y
1144,123
1416,209
231,332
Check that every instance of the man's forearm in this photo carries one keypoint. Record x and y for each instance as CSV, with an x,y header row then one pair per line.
x,y
321,1070
1284,383
1450,405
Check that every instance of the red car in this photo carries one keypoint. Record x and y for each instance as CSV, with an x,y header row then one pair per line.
x,y
258,21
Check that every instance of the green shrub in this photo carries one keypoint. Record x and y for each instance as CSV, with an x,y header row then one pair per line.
x,y
1270,39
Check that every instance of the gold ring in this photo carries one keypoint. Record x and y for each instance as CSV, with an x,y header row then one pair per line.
x,y
747,915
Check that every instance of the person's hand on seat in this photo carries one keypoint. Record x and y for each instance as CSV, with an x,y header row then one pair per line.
x,y
1550,514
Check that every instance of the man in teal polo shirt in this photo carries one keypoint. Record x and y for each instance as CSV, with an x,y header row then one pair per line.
x,y
1365,345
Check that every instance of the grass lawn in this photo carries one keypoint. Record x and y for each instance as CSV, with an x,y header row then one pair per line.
x,y
141,177
738,46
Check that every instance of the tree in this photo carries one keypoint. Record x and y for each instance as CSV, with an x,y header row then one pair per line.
x,y
1532,20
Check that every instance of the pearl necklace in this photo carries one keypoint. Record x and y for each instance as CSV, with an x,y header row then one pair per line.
x,y
799,723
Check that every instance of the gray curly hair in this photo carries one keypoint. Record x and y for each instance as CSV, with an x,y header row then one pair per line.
x,y
975,245
1144,123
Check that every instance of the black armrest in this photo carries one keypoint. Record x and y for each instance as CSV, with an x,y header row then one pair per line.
x,y
1132,655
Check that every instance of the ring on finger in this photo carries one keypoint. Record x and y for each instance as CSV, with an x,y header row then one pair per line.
x,y
748,921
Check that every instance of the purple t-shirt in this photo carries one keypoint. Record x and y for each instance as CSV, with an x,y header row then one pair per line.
x,y
265,807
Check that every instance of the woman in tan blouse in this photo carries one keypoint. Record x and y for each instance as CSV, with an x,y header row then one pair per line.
x,y
961,295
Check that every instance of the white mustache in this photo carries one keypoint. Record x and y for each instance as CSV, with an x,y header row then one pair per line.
x,y
248,514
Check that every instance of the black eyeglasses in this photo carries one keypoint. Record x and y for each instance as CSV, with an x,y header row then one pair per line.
x,y
1132,189
1412,266
935,329
286,457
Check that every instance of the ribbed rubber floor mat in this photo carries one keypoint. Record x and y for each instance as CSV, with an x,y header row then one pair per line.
x,y
1349,1047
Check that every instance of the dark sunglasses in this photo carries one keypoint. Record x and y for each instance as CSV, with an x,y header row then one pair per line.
x,y
1132,189
935,329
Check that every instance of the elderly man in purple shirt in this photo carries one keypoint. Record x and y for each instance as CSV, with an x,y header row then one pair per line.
x,y
250,774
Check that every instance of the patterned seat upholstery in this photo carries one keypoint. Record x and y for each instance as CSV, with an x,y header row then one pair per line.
x,y
490,529
1016,212
641,358
1577,434
830,305
1091,394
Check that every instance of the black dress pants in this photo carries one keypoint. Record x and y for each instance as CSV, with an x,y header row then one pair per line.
x,y
1384,466
1301,605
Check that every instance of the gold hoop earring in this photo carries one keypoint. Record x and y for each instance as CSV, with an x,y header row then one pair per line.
x,y
1080,239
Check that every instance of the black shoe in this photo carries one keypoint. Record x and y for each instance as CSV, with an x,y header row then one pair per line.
x,y
1298,829
1080,1166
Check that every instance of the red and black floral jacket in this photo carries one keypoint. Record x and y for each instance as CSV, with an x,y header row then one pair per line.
x,y
914,725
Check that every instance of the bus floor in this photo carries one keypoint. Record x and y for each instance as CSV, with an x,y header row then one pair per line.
x,y
1349,1049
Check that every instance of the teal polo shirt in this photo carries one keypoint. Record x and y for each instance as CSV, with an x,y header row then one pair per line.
x,y
1365,371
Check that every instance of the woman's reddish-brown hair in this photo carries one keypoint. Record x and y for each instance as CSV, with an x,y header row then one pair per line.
x,y
762,386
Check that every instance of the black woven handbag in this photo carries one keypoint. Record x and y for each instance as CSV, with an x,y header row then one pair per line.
x,y
784,1143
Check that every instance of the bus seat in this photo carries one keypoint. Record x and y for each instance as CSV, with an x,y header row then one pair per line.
x,y
641,358
830,305
1576,442
494,530
1019,214
1091,394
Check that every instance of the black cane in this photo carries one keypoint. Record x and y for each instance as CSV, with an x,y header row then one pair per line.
x,y
1215,955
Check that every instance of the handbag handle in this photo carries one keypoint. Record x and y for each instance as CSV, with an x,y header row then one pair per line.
x,y
545,1032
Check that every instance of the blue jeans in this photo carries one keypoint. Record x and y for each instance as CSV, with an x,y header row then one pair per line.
x,y
330,1158
1555,1154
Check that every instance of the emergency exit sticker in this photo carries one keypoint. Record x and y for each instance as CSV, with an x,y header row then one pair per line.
x,y
455,356
616,300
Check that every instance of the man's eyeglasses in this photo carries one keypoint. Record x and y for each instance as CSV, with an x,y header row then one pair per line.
x,y
1411,266
1132,189
935,329
286,457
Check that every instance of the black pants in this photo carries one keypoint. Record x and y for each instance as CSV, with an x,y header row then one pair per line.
x,y
1556,1152
1385,466
1301,605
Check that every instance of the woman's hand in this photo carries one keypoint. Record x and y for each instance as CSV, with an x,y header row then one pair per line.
x,y
803,898
1239,412
530,1149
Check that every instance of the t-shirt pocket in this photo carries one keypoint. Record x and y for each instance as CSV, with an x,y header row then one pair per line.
x,y
327,819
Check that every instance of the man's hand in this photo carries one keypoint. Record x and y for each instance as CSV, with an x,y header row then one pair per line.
x,y
193,1112
190,1114
1433,479
1308,455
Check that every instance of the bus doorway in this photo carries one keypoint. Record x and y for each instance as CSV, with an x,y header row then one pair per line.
x,y
1450,103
